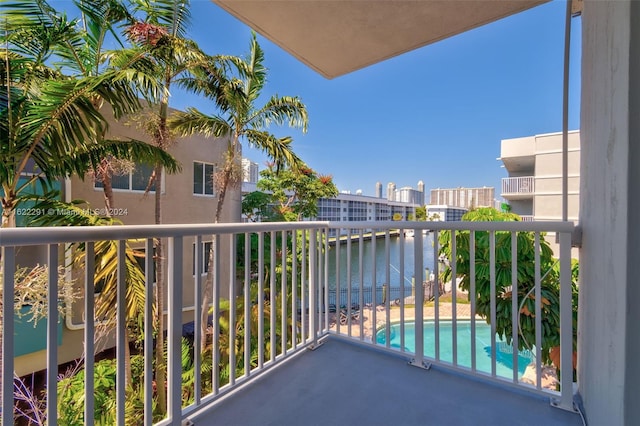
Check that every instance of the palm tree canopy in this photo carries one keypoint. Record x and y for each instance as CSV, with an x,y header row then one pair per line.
x,y
51,114
239,118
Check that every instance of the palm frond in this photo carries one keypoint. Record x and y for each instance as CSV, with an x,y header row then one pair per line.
x,y
76,213
172,14
193,121
280,111
208,78
135,67
278,149
34,28
81,162
255,71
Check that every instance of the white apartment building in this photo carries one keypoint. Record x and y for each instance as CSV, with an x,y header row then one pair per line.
x,y
347,207
445,213
467,198
250,171
534,186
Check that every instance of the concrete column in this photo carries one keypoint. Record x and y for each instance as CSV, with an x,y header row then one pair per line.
x,y
610,188
632,367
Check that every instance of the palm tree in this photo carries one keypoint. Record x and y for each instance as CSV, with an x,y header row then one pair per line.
x,y
240,119
87,56
162,34
56,82
51,125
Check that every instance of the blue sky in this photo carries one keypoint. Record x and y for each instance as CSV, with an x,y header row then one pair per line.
x,y
436,114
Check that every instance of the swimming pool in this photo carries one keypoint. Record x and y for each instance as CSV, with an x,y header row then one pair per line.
x,y
504,359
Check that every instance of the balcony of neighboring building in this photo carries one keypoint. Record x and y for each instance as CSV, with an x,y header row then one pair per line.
x,y
518,155
518,188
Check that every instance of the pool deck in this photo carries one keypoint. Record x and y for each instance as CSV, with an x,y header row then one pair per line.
x,y
463,312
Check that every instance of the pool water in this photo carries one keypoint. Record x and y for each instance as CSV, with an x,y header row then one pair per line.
x,y
504,357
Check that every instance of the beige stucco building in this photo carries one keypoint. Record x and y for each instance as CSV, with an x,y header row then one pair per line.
x,y
188,197
534,186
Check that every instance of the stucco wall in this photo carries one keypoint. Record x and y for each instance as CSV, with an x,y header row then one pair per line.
x,y
632,386
606,375
180,205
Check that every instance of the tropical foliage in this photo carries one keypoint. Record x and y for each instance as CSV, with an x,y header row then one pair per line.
x,y
296,192
256,206
160,34
238,119
526,299
54,84
61,88
31,289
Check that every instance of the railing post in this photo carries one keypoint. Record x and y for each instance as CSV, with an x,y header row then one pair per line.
x,y
89,333
313,286
52,336
566,326
149,279
9,267
174,332
121,335
418,361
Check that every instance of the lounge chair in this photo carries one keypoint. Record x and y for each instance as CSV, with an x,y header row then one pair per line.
x,y
344,314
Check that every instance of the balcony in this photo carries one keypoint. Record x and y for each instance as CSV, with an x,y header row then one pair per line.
x,y
518,188
354,339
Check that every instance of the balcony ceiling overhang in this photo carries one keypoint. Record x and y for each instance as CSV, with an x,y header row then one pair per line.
x,y
519,164
338,37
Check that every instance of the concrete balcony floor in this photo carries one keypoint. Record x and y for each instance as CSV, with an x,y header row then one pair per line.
x,y
346,383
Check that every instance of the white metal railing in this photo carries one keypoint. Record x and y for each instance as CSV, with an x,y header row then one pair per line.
x,y
266,277
448,333
518,185
276,291
527,217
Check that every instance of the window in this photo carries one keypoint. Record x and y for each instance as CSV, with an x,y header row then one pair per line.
x,y
203,178
136,180
204,263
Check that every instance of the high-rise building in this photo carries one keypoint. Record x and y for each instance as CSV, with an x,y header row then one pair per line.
x,y
407,194
378,190
468,198
391,191
249,171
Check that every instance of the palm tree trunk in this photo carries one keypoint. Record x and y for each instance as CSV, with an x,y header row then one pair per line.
x,y
208,287
159,255
107,190
162,140
8,209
